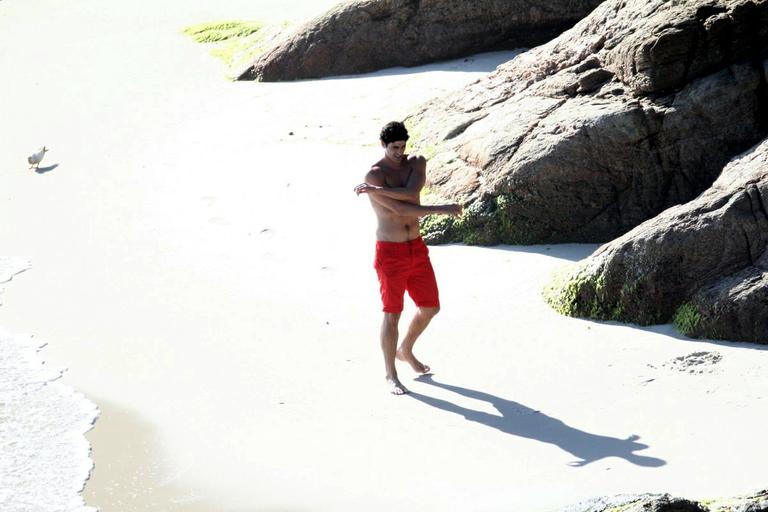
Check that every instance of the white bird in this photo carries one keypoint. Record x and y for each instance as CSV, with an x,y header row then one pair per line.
x,y
35,158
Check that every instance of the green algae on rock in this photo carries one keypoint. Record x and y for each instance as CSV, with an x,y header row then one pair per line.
x,y
687,318
236,42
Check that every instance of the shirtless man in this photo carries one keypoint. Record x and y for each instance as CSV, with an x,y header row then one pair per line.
x,y
402,262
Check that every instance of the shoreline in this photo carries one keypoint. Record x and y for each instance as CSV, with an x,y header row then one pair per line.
x,y
42,427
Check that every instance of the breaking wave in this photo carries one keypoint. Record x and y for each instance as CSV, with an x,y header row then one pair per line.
x,y
44,456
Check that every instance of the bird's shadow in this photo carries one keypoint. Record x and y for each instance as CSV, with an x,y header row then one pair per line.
x,y
43,170
519,420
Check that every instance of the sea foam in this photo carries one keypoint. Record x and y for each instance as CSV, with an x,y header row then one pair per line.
x,y
44,456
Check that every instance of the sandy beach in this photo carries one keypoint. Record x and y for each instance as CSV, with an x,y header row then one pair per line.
x,y
202,270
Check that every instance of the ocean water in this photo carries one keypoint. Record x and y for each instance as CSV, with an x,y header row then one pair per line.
x,y
44,456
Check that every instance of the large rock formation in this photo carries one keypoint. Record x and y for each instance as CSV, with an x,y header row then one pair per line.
x,y
757,502
635,109
703,264
365,35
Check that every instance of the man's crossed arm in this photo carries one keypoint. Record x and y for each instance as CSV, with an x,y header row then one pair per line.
x,y
375,185
406,209
403,200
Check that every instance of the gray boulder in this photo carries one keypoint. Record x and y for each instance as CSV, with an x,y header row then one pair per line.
x,y
703,264
637,503
365,35
633,110
757,502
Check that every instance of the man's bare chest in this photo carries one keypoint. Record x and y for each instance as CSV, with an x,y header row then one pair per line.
x,y
397,178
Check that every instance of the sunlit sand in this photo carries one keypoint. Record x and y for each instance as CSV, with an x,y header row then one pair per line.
x,y
204,272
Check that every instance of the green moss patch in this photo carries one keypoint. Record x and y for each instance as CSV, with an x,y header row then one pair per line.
x,y
487,221
222,30
581,291
563,290
437,229
236,43
687,319
511,227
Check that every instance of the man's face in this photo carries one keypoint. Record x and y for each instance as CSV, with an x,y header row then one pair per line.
x,y
394,150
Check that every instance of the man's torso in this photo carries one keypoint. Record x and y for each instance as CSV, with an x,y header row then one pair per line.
x,y
392,227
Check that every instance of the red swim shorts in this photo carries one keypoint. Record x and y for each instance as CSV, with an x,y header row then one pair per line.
x,y
405,266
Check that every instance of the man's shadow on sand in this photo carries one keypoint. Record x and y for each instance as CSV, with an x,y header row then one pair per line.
x,y
519,420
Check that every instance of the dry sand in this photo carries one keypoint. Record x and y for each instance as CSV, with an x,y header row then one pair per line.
x,y
206,278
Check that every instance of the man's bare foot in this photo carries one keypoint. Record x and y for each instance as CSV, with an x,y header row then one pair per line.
x,y
396,387
409,358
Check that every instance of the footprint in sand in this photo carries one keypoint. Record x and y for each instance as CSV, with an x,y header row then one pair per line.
x,y
695,363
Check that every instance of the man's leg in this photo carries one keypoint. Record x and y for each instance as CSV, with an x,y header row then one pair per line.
x,y
420,322
389,335
422,287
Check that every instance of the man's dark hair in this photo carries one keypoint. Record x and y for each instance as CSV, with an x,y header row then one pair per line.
x,y
392,132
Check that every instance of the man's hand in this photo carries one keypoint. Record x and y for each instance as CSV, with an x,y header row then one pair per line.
x,y
365,188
